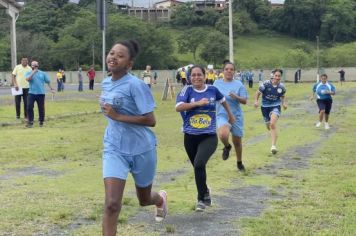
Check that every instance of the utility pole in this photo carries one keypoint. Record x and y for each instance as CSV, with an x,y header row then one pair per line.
x,y
102,23
231,41
93,51
317,59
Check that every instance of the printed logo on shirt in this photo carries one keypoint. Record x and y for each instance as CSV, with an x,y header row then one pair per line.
x,y
279,90
200,121
117,103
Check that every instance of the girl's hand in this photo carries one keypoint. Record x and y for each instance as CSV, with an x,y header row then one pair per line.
x,y
203,102
232,119
108,110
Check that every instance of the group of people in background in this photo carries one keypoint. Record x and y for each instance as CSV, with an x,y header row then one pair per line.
x,y
29,81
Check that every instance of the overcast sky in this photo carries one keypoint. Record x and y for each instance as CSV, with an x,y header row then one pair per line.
x,y
146,3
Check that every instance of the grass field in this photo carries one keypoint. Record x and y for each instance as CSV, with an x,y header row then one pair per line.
x,y
50,177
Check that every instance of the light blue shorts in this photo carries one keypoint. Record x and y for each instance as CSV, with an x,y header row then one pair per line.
x,y
142,166
236,129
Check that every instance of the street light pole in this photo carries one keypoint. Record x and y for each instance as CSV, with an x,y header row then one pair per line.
x,y
317,59
231,41
104,38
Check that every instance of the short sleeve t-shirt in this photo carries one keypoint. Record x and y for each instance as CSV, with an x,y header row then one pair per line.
x,y
200,120
37,82
129,96
271,94
226,88
320,90
20,73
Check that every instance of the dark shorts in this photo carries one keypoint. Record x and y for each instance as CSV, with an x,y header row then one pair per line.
x,y
342,79
324,105
267,111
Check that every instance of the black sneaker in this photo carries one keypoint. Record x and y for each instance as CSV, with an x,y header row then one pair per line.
x,y
240,166
226,152
29,125
207,199
41,124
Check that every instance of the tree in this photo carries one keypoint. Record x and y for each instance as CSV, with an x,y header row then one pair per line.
x,y
338,22
188,41
184,15
298,58
215,48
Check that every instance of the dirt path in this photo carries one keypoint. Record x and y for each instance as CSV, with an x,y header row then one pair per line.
x,y
242,202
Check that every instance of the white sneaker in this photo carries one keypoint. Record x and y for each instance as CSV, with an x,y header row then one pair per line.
x,y
318,124
327,126
162,211
273,149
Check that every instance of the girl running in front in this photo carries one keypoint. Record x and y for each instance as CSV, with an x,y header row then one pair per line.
x,y
235,93
323,90
129,143
196,103
273,96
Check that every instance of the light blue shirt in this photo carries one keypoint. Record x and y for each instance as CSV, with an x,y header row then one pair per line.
x,y
225,88
37,82
129,96
320,90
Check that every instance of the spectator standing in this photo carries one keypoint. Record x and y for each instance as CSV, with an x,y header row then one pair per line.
x,y
342,75
36,79
19,82
91,76
146,76
63,79
59,80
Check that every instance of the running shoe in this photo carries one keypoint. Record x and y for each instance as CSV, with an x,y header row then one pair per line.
x,y
240,166
327,126
226,152
273,150
207,198
318,124
200,206
162,211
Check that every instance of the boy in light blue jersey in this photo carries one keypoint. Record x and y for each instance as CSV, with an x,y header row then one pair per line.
x,y
129,143
273,96
323,91
235,93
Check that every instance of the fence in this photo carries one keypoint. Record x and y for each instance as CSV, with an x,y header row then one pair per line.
x,y
307,75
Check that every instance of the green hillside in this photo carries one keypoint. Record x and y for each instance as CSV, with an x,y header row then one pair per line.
x,y
264,49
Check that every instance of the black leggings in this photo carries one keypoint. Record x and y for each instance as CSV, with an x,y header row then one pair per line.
x,y
199,149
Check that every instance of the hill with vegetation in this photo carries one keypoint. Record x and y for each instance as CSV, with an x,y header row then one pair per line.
x,y
64,35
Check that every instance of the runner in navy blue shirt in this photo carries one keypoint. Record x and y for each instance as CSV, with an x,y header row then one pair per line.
x,y
273,96
196,103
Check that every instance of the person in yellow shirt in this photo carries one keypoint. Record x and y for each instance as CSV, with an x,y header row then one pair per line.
x,y
210,76
59,76
19,82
